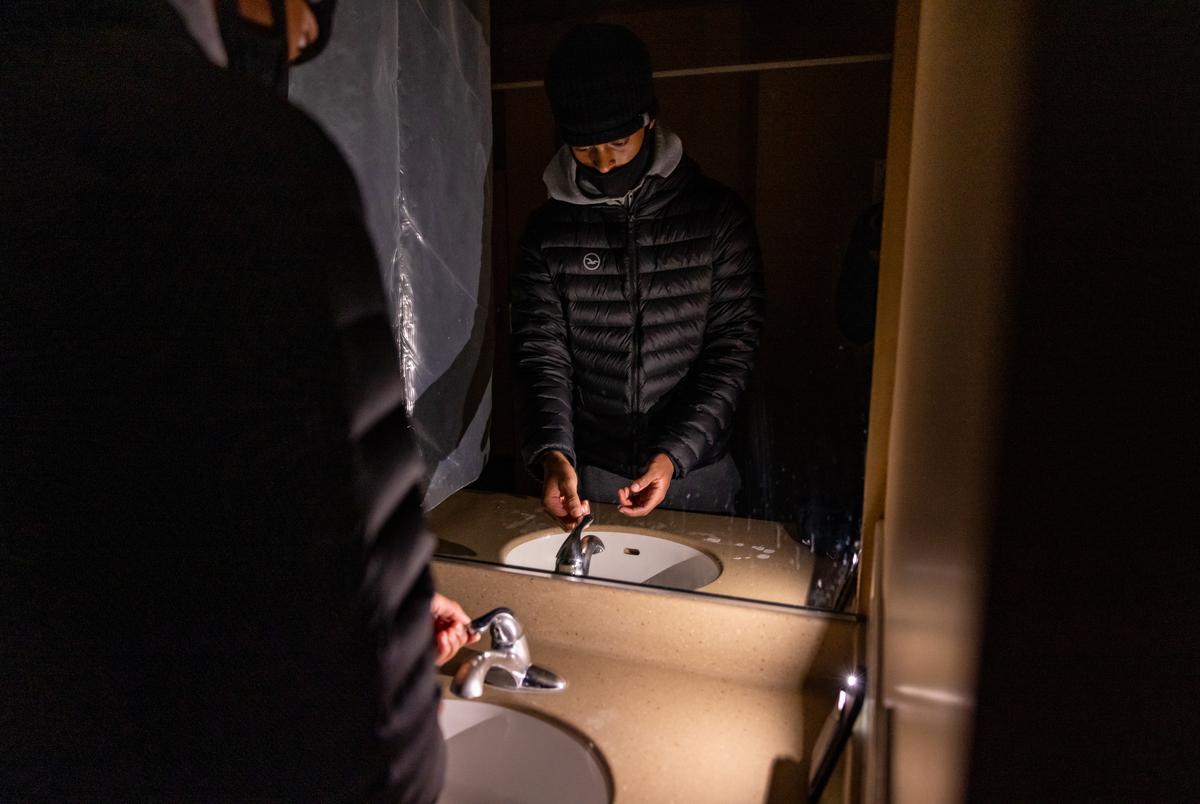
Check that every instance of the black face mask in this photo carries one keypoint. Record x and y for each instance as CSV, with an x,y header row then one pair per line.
x,y
254,50
617,182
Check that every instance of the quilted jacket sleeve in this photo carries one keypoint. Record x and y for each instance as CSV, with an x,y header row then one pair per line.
x,y
542,371
704,403
389,485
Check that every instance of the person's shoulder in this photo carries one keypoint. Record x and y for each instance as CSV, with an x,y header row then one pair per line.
x,y
703,190
701,182
554,215
283,144
542,220
226,123
283,183
163,120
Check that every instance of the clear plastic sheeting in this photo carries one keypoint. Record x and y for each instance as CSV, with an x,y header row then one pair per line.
x,y
404,89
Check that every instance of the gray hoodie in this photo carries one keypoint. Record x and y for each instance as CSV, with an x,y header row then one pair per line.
x,y
559,175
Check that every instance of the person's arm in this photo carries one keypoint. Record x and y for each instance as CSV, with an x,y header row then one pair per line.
x,y
543,382
388,480
704,403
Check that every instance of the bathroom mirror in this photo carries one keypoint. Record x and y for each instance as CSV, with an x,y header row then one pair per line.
x,y
787,104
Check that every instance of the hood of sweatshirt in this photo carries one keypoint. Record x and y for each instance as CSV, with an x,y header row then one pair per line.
x,y
559,175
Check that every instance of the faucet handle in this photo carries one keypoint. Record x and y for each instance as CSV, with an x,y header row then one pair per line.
x,y
505,629
507,664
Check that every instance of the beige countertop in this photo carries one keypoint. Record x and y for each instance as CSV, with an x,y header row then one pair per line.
x,y
687,698
759,560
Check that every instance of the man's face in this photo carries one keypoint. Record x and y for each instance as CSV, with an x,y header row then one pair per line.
x,y
610,155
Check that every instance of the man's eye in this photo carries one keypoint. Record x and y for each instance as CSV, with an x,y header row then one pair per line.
x,y
619,143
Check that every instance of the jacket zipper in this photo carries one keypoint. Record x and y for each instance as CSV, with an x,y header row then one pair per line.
x,y
636,371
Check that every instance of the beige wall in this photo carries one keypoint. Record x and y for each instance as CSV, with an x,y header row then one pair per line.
x,y
1035,594
957,246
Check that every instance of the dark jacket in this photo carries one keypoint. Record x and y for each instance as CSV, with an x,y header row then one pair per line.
x,y
635,323
214,578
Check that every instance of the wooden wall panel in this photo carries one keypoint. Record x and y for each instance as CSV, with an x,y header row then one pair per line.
x,y
686,34
821,137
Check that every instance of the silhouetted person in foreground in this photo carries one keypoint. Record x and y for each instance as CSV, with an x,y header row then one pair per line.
x,y
214,577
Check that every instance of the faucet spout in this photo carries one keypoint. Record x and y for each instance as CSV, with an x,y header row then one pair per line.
x,y
575,555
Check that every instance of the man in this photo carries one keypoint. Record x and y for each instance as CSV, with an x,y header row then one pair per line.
x,y
214,576
637,301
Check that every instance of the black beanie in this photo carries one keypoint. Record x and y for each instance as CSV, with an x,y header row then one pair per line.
x,y
599,83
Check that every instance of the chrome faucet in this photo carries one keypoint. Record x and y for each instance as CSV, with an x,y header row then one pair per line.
x,y
575,555
507,664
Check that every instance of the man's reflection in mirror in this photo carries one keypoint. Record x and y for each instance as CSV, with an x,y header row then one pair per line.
x,y
637,300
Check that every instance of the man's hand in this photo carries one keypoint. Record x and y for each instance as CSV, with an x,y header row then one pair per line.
x,y
560,492
451,628
644,494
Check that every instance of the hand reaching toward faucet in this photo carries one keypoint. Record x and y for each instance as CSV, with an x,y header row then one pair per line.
x,y
451,628
560,495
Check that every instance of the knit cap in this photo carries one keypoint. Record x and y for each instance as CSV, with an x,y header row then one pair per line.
x,y
599,84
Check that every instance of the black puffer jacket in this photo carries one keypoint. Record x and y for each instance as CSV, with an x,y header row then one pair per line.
x,y
635,324
214,580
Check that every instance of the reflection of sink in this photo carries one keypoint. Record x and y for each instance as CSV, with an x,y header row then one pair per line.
x,y
496,755
631,557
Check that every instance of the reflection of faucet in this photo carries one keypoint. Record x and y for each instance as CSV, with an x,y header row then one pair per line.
x,y
575,555
507,664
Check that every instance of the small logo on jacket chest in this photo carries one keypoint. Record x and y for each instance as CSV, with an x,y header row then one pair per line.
x,y
591,261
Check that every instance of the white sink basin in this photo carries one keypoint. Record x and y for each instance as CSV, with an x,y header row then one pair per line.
x,y
496,755
633,557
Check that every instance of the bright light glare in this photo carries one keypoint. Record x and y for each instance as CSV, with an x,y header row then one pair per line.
x,y
851,681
